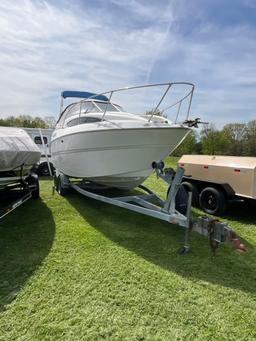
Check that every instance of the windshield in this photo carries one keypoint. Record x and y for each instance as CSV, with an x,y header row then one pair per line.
x,y
106,106
88,107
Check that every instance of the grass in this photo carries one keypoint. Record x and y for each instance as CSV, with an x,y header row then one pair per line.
x,y
75,269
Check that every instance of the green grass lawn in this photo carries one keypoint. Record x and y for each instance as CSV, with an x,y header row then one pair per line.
x,y
75,269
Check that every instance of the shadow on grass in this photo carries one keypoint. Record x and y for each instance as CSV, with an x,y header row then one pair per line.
x,y
244,212
26,237
157,242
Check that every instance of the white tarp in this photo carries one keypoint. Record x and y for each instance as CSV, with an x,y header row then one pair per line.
x,y
16,149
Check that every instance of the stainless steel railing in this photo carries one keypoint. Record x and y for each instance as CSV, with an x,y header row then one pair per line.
x,y
188,95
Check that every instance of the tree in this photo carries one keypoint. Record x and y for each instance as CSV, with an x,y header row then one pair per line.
x,y
157,113
25,121
214,142
235,133
250,138
189,146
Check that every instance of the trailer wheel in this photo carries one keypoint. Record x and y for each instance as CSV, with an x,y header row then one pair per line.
x,y
184,250
59,186
43,169
212,201
190,187
32,180
181,200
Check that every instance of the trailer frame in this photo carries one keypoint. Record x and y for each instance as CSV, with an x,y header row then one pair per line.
x,y
29,188
151,204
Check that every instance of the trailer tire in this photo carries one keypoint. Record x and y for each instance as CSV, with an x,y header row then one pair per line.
x,y
191,187
43,169
32,179
181,200
59,186
213,201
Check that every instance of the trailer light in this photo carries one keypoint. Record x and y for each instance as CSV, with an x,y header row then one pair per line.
x,y
237,170
206,167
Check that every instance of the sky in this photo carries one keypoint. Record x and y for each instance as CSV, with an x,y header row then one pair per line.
x,y
50,46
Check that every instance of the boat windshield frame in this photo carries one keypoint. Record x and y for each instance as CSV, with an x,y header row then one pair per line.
x,y
80,111
109,94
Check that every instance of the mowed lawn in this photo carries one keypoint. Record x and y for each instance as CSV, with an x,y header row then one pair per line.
x,y
72,268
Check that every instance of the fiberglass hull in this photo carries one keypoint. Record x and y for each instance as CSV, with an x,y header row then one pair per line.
x,y
120,158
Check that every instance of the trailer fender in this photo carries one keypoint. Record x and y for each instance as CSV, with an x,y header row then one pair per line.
x,y
33,183
225,187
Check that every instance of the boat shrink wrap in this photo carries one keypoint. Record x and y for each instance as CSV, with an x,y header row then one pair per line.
x,y
16,149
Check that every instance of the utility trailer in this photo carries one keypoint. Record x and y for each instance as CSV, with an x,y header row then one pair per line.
x,y
175,209
216,180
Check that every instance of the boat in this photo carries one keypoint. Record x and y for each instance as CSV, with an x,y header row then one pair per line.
x,y
97,140
18,154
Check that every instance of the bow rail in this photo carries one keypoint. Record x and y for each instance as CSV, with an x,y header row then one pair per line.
x,y
108,95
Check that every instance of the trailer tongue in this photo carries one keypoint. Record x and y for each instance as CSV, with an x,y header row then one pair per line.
x,y
176,209
217,232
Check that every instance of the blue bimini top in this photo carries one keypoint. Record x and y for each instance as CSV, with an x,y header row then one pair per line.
x,y
82,94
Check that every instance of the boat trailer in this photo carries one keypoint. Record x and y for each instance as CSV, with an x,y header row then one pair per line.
x,y
176,209
28,188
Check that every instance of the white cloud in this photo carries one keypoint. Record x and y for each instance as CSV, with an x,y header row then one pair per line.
x,y
46,49
158,12
221,62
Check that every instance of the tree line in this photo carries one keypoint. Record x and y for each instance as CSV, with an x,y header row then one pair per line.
x,y
28,121
238,139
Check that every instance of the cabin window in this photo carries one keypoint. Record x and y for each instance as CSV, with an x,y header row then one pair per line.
x,y
38,140
83,120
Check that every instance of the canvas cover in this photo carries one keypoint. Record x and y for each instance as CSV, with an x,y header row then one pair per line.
x,y
16,149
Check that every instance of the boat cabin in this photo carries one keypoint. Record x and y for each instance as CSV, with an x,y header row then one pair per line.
x,y
93,111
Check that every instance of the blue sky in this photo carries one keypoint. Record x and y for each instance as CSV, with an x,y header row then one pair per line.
x,y
50,46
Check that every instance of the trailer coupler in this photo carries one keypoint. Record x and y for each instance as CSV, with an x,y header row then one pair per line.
x,y
218,232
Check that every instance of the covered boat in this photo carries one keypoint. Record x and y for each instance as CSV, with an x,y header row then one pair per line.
x,y
18,154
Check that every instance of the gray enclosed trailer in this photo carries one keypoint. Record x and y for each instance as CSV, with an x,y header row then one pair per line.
x,y
215,180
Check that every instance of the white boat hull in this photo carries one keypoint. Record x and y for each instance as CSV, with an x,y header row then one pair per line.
x,y
119,158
